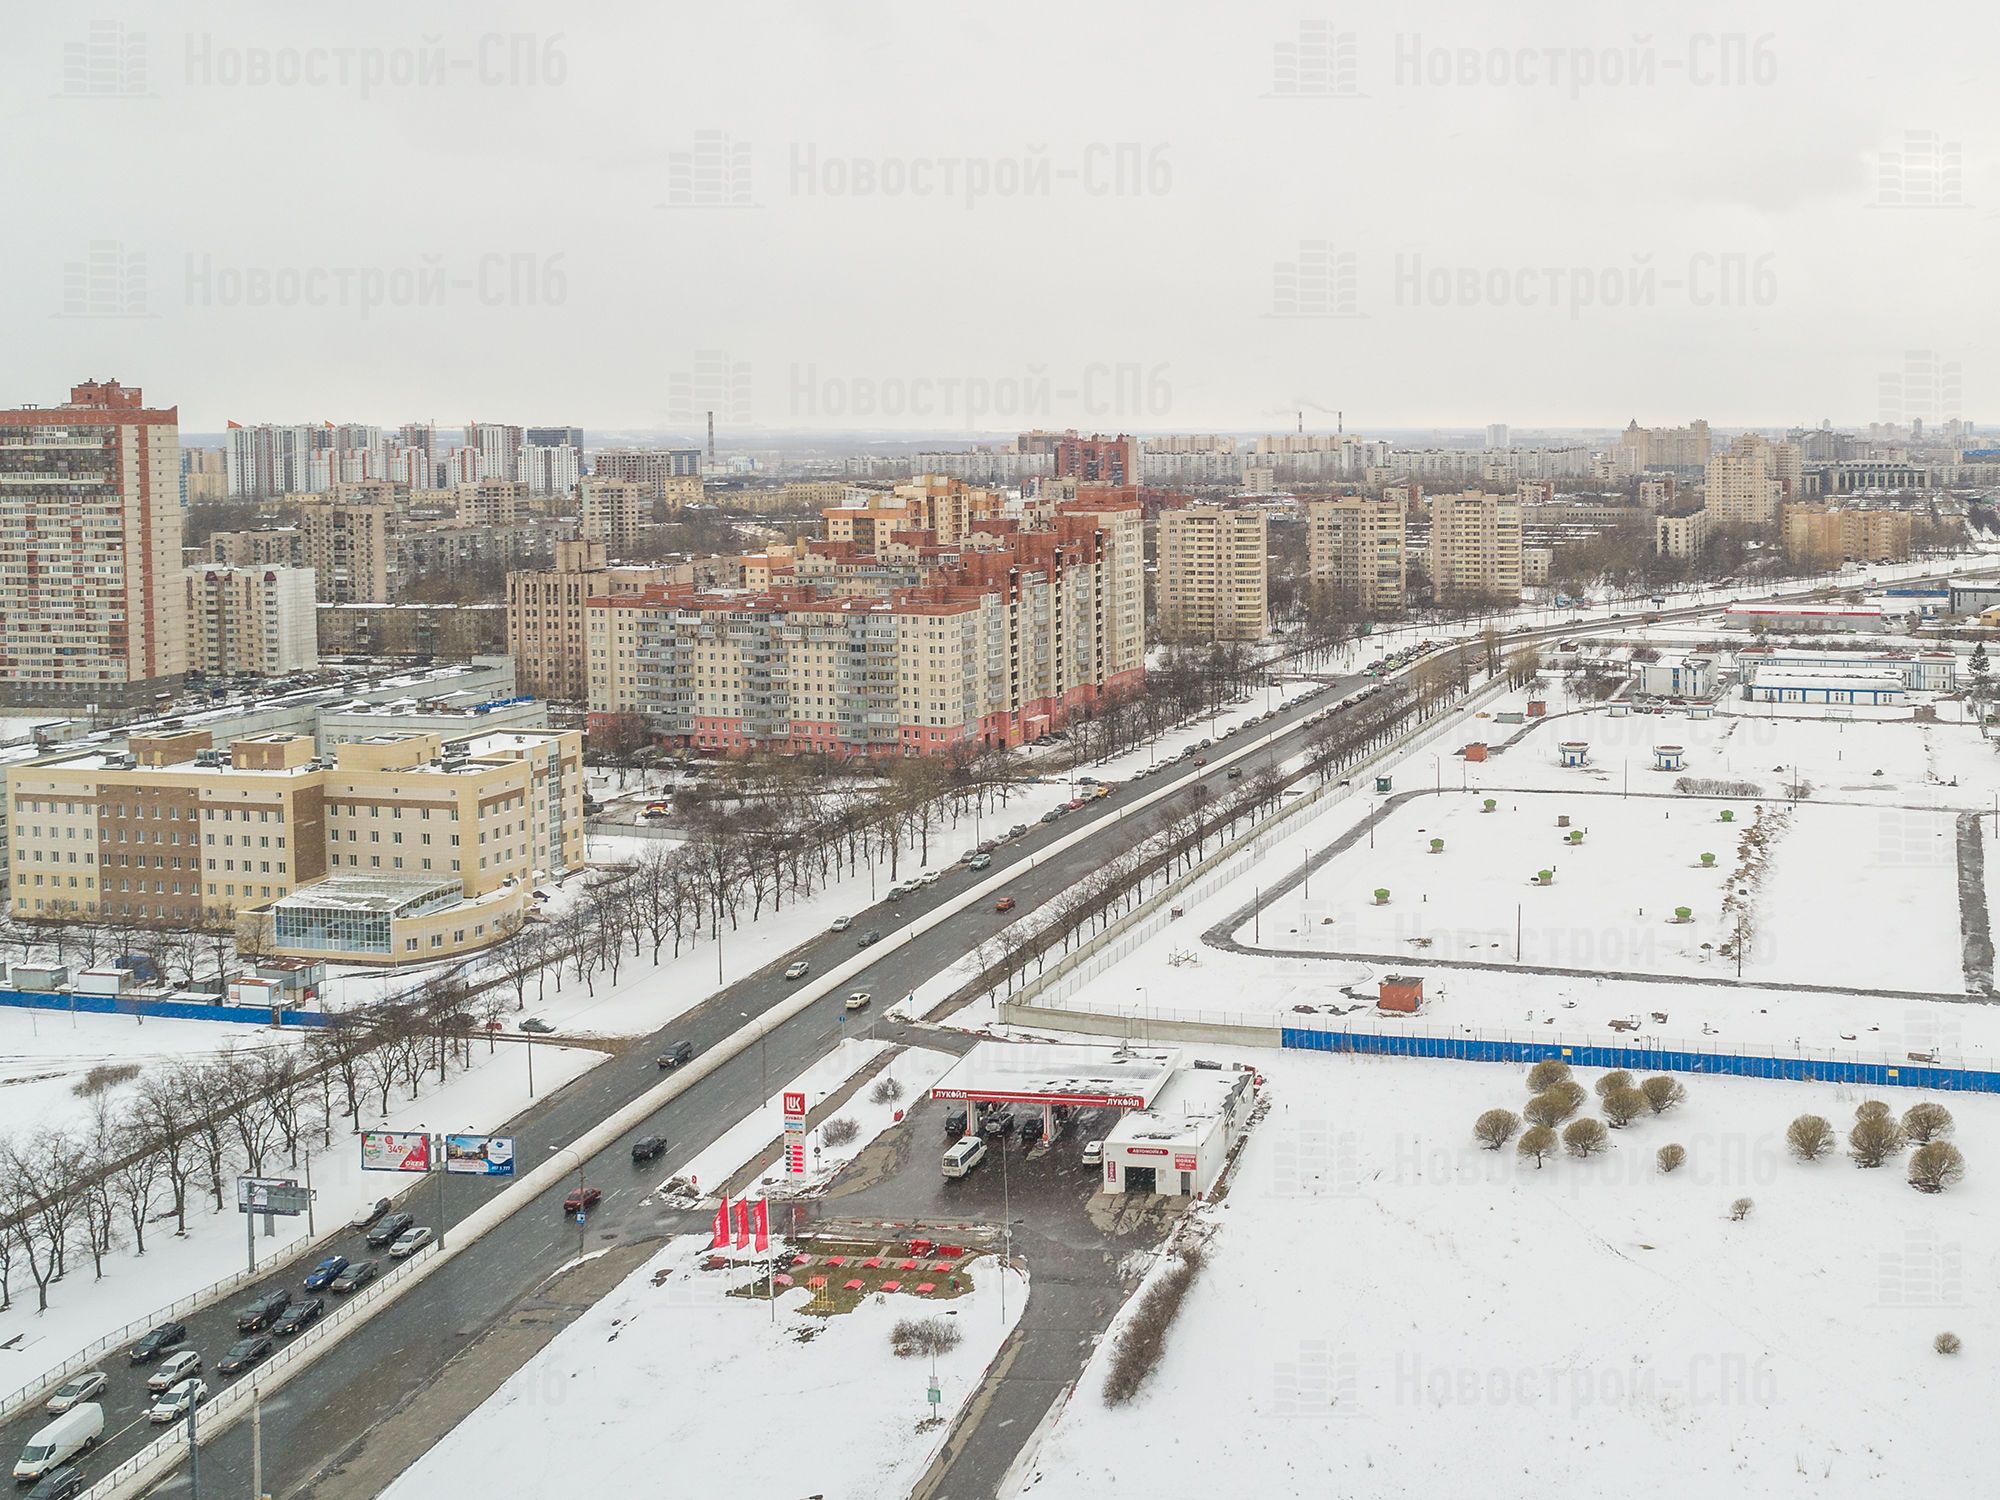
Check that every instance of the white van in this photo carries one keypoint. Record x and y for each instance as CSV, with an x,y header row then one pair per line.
x,y
60,1441
964,1156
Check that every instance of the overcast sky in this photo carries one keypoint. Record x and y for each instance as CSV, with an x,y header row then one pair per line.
x,y
945,216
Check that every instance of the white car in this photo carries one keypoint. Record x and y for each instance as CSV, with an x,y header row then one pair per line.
x,y
860,1000
175,1403
83,1387
172,1370
798,970
930,877
1093,1153
409,1242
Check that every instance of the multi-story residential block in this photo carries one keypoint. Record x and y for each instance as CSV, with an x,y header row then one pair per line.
x,y
1475,548
277,546
1355,546
1832,535
402,846
680,491
442,632
1682,536
254,621
350,547
493,502
1681,448
615,511
549,468
204,475
1213,579
650,467
1750,479
91,604
497,446
547,631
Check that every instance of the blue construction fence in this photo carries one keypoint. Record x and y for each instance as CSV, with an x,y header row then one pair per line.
x,y
1910,1075
65,1003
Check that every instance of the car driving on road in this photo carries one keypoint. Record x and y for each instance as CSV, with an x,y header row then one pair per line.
x,y
300,1314
244,1353
162,1340
175,1368
675,1055
261,1314
860,1000
321,1276
82,1387
582,1200
798,970
175,1401
537,1027
369,1214
65,1483
355,1277
841,924
869,939
387,1228
409,1242
648,1148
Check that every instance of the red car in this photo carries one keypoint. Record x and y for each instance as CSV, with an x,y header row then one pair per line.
x,y
1005,903
582,1199
1076,804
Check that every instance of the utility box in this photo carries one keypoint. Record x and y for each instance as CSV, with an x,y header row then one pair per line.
x,y
1382,783
1400,993
40,978
105,980
1476,750
1537,707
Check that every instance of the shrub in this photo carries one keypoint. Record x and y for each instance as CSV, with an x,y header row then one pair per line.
x,y
839,1131
1670,1157
1623,1106
1583,1138
1569,1090
1946,1343
1550,1108
1549,1070
1872,1109
925,1336
1809,1137
1927,1122
886,1090
1740,1210
1662,1093
1537,1144
105,1076
1935,1166
1144,1338
1496,1128
1874,1139
1617,1078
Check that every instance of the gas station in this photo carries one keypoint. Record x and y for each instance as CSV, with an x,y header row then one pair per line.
x,y
1044,1075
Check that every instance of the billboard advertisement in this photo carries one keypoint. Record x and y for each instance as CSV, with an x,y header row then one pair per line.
x,y
479,1155
395,1151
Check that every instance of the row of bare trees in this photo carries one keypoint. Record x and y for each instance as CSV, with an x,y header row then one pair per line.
x,y
172,1140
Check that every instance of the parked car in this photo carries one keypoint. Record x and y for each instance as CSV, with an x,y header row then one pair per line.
x,y
648,1148
582,1200
535,1026
1093,1153
1235,773
355,1277
987,846
262,1313
320,1277
841,924
964,1156
369,1214
675,1055
859,1000
244,1353
60,1439
998,1122
75,1390
387,1228
175,1368
895,893
954,1123
175,1401
982,862
930,877
1005,903
1017,830
59,1484
300,1314
162,1340
869,939
798,970
1076,804
1031,1131
1051,815
409,1242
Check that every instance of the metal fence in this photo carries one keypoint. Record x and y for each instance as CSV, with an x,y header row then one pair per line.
x,y
66,1003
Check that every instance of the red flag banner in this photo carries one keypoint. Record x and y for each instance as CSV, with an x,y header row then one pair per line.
x,y
721,1239
742,1223
761,1220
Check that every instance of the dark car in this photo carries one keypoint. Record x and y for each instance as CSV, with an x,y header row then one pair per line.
x,y
356,1276
300,1314
536,1027
675,1055
244,1353
954,1124
648,1148
162,1340
869,939
998,1122
1031,1130
369,1214
388,1227
320,1277
58,1484
1050,816
582,1199
262,1313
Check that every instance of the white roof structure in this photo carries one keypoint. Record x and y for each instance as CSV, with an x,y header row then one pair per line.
x,y
1183,1113
1059,1073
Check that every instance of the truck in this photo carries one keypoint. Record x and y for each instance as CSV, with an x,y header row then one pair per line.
x,y
55,1443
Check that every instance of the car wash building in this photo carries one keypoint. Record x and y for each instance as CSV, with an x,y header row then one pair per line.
x,y
1181,1142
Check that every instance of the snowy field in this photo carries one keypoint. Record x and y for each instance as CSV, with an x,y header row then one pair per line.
x,y
1389,1310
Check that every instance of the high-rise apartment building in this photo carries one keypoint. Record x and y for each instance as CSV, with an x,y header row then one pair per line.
x,y
350,547
279,546
615,511
493,502
650,467
1682,448
1475,551
1831,535
553,437
255,621
1748,481
546,625
1212,579
550,468
91,608
1097,459
1681,536
497,446
206,472
1355,547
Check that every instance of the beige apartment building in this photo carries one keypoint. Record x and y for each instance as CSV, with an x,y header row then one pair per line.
x,y
402,845
350,547
279,547
91,601
494,502
1832,535
1642,448
1475,551
260,622
615,511
1355,546
1682,536
206,474
1213,575
547,626
1749,480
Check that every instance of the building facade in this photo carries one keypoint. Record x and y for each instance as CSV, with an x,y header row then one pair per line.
x,y
349,546
91,603
258,622
1475,548
648,467
547,626
1213,579
1831,535
1682,536
616,511
1355,546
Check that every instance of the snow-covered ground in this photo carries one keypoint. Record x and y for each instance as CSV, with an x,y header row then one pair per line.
x,y
1389,1310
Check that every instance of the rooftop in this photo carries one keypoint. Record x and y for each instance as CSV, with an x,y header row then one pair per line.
x,y
1183,1110
368,893
1059,1073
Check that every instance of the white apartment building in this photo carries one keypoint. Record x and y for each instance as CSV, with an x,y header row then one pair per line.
x,y
1213,578
253,621
1355,545
1475,548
